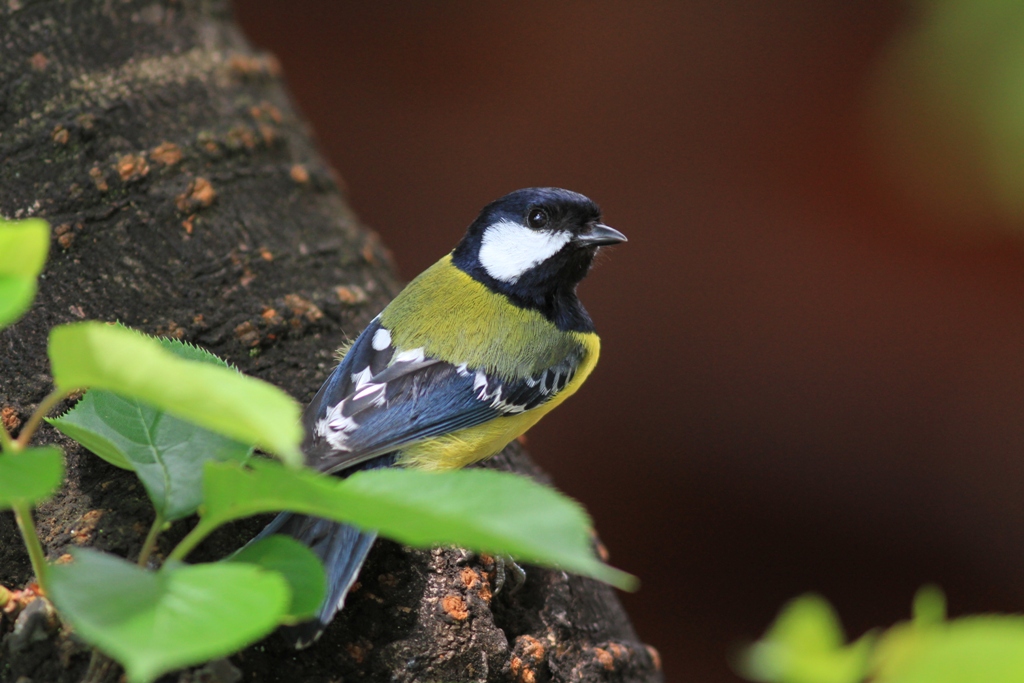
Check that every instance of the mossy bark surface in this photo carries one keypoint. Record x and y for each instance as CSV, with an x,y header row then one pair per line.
x,y
187,199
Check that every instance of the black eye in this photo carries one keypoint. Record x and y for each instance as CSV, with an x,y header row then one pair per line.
x,y
537,218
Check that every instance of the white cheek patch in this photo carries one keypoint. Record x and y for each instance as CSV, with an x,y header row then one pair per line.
x,y
509,249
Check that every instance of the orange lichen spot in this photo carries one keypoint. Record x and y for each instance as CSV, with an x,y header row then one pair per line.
x,y
243,64
303,307
247,334
350,295
516,665
189,224
368,253
171,329
655,657
268,133
198,194
18,600
166,153
9,418
132,167
469,577
86,526
273,112
299,174
521,671
355,652
455,607
203,191
604,658
98,179
241,136
266,254
617,650
65,236
60,135
251,65
269,314
64,559
531,648
38,61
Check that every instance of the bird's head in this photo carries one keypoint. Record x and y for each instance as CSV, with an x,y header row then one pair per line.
x,y
534,244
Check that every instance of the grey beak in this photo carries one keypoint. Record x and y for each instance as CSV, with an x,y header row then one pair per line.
x,y
600,235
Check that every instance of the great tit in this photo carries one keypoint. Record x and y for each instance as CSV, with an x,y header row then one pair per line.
x,y
471,354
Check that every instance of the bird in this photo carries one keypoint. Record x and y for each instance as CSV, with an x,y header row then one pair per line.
x,y
469,355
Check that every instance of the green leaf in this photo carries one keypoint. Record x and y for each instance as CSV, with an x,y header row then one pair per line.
x,y
986,648
245,409
30,476
483,510
806,645
166,452
155,622
23,247
929,606
300,567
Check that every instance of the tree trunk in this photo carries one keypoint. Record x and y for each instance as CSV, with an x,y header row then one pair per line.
x,y
187,200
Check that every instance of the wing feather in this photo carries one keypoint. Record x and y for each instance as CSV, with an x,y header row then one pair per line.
x,y
380,399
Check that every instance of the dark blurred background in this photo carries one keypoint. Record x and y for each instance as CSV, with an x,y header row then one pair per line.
x,y
813,364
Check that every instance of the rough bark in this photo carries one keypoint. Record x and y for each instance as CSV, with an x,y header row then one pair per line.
x,y
187,200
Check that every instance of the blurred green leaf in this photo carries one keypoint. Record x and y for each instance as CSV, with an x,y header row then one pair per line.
x,y
987,649
23,248
155,622
30,476
806,645
483,510
929,606
166,452
300,567
117,359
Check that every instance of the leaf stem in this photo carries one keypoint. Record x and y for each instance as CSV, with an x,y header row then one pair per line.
x,y
44,407
23,516
150,542
188,544
7,444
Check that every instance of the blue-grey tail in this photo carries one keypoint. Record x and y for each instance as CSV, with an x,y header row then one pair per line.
x,y
341,548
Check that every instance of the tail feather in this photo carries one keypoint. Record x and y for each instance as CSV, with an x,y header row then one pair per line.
x,y
341,548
